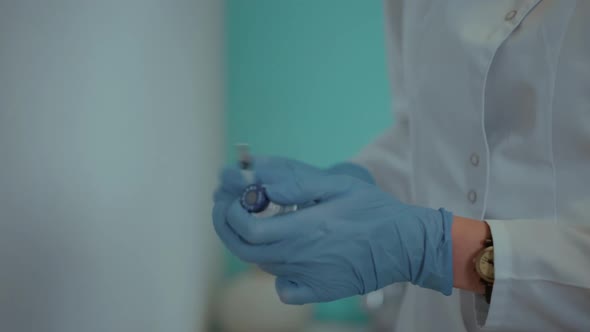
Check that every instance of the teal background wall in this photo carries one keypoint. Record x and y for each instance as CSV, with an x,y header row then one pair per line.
x,y
306,79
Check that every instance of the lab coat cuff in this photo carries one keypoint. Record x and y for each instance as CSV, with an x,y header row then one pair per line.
x,y
493,316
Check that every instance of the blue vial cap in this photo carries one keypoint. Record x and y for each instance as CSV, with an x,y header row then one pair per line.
x,y
254,198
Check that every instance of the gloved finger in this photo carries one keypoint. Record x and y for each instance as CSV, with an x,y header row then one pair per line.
x,y
237,245
231,187
232,180
221,195
292,292
268,268
306,190
260,230
281,269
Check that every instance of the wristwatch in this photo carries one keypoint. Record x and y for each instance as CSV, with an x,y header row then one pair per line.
x,y
484,266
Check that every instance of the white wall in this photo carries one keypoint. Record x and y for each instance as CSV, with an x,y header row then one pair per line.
x,y
110,136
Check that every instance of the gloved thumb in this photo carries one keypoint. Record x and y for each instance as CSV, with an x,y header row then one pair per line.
x,y
308,190
291,292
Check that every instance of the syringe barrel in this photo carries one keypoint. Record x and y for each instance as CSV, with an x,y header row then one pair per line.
x,y
255,200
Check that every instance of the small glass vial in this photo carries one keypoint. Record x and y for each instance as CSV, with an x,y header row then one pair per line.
x,y
255,200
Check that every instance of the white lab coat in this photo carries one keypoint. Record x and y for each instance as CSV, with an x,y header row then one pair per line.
x,y
492,110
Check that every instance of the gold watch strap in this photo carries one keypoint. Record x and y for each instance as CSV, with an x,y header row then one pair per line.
x,y
489,286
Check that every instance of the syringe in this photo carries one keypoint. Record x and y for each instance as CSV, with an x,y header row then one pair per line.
x,y
245,162
254,198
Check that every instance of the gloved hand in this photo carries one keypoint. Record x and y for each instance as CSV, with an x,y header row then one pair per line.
x,y
233,184
354,240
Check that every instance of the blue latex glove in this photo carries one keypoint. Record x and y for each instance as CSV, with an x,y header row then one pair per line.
x,y
273,168
354,240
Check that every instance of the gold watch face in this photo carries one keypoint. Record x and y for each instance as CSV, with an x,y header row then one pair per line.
x,y
484,264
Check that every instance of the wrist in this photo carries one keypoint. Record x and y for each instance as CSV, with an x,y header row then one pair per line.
x,y
468,238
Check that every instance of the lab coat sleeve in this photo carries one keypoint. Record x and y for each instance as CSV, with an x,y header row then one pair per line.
x,y
388,162
542,275
388,157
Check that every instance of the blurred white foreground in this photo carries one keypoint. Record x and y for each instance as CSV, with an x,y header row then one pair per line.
x,y
110,137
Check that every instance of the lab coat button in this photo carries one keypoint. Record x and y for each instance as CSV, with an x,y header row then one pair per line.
x,y
474,159
510,15
472,196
